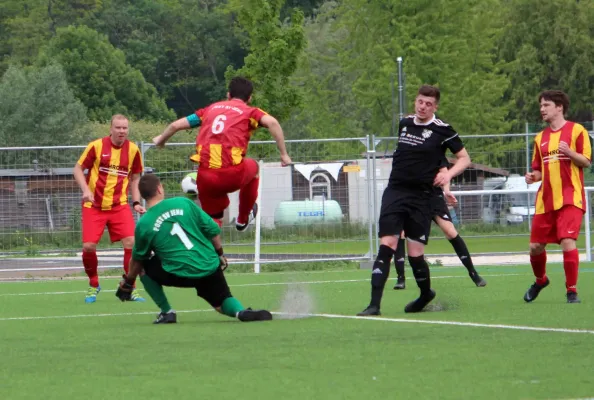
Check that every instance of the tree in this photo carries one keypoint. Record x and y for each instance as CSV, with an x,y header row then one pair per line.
x,y
100,77
273,51
37,108
548,45
447,43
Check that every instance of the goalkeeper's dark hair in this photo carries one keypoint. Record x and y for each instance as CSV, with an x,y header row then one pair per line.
x,y
556,96
148,185
241,88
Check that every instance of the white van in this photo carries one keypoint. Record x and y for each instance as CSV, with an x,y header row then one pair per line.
x,y
508,209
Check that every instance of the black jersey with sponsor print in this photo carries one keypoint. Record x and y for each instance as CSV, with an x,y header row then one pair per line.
x,y
420,152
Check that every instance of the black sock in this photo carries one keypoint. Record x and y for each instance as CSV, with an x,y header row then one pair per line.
x,y
399,255
421,272
380,273
462,252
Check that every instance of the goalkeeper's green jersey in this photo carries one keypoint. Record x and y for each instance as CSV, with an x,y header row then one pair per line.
x,y
180,234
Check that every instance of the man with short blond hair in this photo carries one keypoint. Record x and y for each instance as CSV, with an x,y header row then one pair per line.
x,y
114,166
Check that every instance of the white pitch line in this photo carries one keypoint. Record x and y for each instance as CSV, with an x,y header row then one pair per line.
x,y
335,316
93,315
260,284
452,323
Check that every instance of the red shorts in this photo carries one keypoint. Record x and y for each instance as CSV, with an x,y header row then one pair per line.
x,y
553,226
214,185
119,221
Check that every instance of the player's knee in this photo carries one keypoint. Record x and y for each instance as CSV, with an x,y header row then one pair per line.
x,y
218,309
390,241
218,215
128,242
448,229
568,244
415,249
536,248
89,247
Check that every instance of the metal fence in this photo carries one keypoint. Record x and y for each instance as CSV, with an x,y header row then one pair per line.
x,y
322,208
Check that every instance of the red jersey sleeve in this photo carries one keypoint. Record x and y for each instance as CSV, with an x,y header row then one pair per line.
x,y
536,157
583,145
137,163
88,157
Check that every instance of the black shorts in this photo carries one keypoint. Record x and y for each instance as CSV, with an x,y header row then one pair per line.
x,y
212,288
408,210
439,207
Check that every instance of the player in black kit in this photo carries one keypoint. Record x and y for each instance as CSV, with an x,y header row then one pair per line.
x,y
441,216
417,167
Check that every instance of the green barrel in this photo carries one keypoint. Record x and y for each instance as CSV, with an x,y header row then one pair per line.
x,y
307,212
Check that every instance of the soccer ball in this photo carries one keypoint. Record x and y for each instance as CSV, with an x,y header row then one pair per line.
x,y
188,185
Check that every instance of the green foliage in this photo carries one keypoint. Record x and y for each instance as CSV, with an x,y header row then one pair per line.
x,y
100,77
548,46
274,48
37,108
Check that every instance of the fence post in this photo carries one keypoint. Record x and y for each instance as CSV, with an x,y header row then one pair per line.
x,y
373,166
528,170
258,221
370,207
588,238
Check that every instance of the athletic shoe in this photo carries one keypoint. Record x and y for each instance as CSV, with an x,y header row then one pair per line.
x,y
249,315
253,213
534,290
420,303
478,281
135,296
400,283
166,318
572,297
92,293
370,311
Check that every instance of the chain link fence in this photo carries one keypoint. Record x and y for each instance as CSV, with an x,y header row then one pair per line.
x,y
323,207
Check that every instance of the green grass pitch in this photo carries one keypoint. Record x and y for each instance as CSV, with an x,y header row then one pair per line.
x,y
476,344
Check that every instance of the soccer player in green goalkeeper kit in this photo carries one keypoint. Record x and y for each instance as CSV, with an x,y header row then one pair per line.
x,y
187,253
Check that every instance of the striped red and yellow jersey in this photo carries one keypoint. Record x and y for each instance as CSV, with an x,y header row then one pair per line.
x,y
562,180
109,170
225,131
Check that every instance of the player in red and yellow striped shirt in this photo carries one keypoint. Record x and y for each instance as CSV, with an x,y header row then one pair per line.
x,y
561,152
221,146
114,165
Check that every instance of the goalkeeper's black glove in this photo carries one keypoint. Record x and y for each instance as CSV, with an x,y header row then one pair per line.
x,y
124,292
223,263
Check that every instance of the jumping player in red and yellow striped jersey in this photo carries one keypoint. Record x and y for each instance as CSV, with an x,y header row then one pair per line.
x,y
221,146
114,165
561,152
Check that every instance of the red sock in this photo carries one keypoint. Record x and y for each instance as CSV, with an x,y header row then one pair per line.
x,y
539,267
90,262
571,262
247,198
127,257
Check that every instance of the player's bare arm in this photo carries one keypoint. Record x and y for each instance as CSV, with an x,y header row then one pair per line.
x,y
534,176
276,131
218,245
450,198
578,159
79,177
172,128
136,194
462,162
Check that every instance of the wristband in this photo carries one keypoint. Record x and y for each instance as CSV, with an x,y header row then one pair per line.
x,y
219,251
135,203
